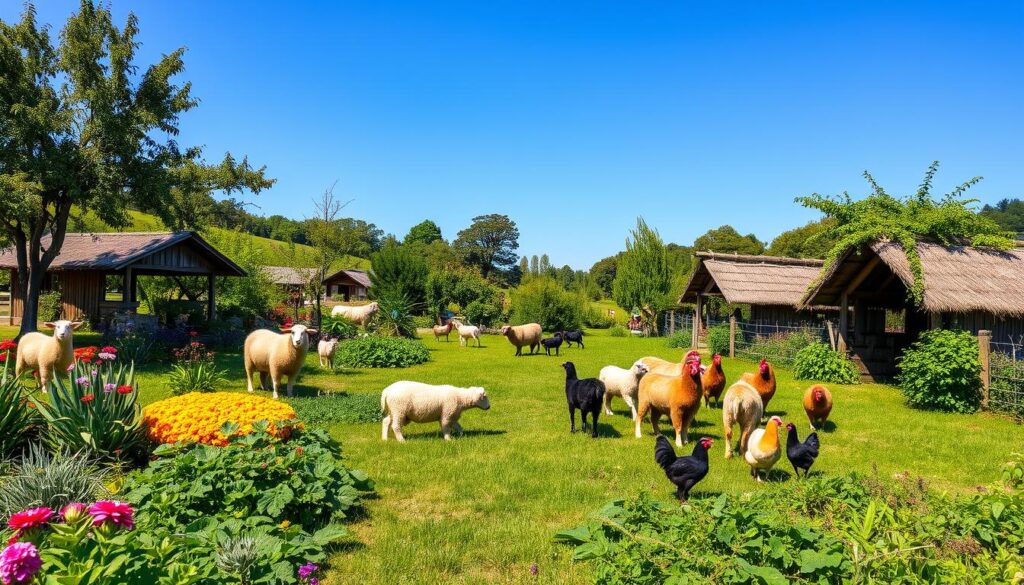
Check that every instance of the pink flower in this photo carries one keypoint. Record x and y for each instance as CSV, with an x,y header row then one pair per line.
x,y
108,356
71,368
19,562
109,387
108,349
117,513
72,511
31,518
82,381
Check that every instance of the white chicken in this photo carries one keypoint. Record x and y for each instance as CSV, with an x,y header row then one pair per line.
x,y
763,449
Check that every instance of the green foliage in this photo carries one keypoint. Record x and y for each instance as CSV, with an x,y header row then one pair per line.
x,y
942,371
683,338
459,287
481,312
87,412
381,352
489,244
1006,389
53,481
425,232
541,300
248,296
780,347
399,271
827,529
395,316
195,377
1013,472
642,277
1008,214
726,239
324,411
338,328
618,331
50,305
803,242
18,422
594,318
947,221
820,362
718,339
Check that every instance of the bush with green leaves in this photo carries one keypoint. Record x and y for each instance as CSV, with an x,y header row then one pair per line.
x,y
818,361
338,328
483,312
541,300
197,377
323,411
682,338
718,339
394,316
18,422
399,271
374,351
51,480
618,331
50,305
942,371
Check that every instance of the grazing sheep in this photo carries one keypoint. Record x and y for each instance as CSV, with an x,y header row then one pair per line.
x,y
586,395
359,315
326,349
276,355
523,335
405,401
554,341
623,383
742,404
440,330
467,332
571,337
47,355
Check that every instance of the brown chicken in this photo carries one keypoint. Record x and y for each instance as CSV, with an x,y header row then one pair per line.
x,y
763,381
676,395
817,405
713,381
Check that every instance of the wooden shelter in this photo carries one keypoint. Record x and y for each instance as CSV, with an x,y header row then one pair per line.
x,y
773,286
348,285
85,261
965,288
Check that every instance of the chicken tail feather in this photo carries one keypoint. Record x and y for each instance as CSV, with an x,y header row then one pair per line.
x,y
664,454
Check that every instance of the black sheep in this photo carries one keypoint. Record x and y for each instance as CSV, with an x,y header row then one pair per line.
x,y
571,337
585,394
552,342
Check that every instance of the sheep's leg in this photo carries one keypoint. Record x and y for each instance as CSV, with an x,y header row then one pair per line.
x,y
45,378
291,383
608,404
384,427
655,416
477,340
396,428
629,402
676,415
248,376
640,414
462,341
275,381
744,439
446,430
581,344
458,428
728,438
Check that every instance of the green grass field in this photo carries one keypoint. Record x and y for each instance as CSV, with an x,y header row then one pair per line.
x,y
483,508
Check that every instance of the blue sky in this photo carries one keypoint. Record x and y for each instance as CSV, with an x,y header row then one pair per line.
x,y
576,117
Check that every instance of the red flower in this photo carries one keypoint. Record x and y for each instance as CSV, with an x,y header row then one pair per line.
x,y
31,518
126,389
7,344
109,349
298,451
87,398
117,513
3,357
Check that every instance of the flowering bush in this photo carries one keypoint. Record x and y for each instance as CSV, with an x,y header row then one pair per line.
x,y
195,370
199,418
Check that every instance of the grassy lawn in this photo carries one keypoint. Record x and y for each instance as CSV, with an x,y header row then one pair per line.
x,y
483,508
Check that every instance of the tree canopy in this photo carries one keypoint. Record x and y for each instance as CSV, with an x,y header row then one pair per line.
x,y
489,244
806,241
642,277
1008,213
727,240
398,271
424,232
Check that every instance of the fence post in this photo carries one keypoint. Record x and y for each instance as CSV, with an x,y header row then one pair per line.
x,y
984,353
672,322
732,336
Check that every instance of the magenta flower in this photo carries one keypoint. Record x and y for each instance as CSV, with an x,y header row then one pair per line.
x,y
83,381
117,513
71,368
109,357
19,562
108,387
31,518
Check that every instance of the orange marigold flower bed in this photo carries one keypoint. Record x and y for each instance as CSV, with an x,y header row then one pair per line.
x,y
197,417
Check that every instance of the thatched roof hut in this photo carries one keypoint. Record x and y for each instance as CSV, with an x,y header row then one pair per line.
x,y
753,280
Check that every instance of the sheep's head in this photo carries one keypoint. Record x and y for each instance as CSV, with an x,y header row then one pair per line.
x,y
62,329
481,401
373,307
299,335
639,369
505,330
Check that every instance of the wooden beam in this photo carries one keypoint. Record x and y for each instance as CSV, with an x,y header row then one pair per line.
x,y
862,274
984,354
211,305
696,321
844,322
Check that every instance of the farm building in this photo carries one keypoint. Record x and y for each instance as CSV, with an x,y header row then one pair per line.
x,y
348,285
97,273
964,288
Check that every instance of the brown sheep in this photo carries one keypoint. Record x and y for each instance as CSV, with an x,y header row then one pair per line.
x,y
523,335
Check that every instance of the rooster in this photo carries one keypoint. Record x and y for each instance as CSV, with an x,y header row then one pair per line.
x,y
801,455
713,380
677,395
817,405
763,381
684,472
763,449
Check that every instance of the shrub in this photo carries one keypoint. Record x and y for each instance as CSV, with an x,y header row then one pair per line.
x,y
18,422
541,300
594,318
942,371
482,312
134,343
54,481
618,331
381,352
195,370
343,408
399,271
395,317
718,340
200,418
683,338
820,362
50,305
338,328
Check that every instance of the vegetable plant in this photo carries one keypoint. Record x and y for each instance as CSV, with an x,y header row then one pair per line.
x,y
818,361
381,352
942,371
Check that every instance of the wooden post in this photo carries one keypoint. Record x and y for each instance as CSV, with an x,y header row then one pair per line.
x,y
844,323
211,304
935,320
10,298
831,334
672,322
984,353
696,320
732,336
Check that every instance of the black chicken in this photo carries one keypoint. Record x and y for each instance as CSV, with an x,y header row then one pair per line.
x,y
684,472
801,455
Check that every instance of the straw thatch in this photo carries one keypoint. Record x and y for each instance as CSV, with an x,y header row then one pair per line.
x,y
753,280
957,279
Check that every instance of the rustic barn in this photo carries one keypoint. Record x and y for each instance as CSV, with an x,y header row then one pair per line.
x,y
348,285
964,288
85,262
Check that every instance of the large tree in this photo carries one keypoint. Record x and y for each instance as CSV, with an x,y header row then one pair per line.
x,y
727,240
399,271
603,273
1008,213
807,241
489,244
643,279
424,232
82,126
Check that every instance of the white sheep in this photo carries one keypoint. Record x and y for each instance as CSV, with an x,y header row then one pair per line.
x,y
276,355
467,332
406,401
741,405
623,383
326,350
47,355
523,335
359,315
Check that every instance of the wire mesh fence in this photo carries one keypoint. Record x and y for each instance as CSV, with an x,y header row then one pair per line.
x,y
776,342
676,323
1006,378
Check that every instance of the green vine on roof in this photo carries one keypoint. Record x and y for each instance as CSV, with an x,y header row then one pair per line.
x,y
947,221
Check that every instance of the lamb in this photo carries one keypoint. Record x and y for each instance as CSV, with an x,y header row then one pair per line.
x,y
276,355
467,332
656,365
554,341
360,315
571,337
440,330
326,349
47,355
417,402
523,335
742,404
623,383
586,395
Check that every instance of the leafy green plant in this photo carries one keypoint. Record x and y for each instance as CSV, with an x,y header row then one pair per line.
x,y
1013,472
50,305
381,352
399,271
18,422
718,339
820,362
195,377
482,312
682,338
618,331
541,300
338,328
54,481
942,371
323,411
395,316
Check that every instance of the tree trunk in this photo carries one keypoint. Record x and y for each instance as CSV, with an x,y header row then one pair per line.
x,y
31,286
